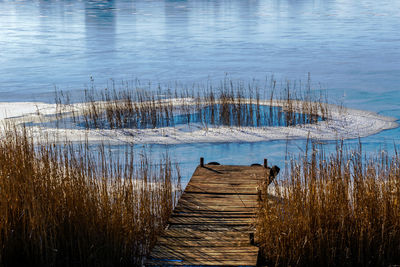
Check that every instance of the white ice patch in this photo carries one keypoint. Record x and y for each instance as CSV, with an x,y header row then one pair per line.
x,y
9,110
343,123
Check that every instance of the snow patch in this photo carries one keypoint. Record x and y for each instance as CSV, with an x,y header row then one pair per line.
x,y
343,123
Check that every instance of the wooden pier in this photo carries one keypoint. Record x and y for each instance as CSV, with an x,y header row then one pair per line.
x,y
214,221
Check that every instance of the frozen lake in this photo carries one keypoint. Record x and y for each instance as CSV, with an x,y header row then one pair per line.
x,y
351,47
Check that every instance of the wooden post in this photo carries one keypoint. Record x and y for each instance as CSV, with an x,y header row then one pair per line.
x,y
251,238
201,162
265,163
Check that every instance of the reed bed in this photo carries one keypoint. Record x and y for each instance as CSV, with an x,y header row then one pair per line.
x,y
65,205
232,104
341,209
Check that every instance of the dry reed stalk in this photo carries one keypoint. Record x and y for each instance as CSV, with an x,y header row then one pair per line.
x,y
334,210
230,104
65,205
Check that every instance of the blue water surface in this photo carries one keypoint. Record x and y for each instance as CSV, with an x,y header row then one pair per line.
x,y
351,47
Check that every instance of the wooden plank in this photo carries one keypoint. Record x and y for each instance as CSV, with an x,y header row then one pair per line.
x,y
163,249
189,242
216,208
215,228
179,255
194,262
222,199
188,210
213,219
212,215
189,232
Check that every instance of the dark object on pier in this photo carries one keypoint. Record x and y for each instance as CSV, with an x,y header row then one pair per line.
x,y
201,162
213,163
273,172
258,164
265,163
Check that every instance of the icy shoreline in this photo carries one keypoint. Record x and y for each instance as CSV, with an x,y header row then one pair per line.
x,y
344,123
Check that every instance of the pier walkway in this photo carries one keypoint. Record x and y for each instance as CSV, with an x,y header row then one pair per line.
x,y
214,221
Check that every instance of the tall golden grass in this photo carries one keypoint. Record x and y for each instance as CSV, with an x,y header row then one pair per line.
x,y
341,209
65,205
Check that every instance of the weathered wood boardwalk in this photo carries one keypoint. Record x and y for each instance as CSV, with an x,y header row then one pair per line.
x,y
213,223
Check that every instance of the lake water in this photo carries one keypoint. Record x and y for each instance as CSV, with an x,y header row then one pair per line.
x,y
351,47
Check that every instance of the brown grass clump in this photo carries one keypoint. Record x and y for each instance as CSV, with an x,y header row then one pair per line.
x,y
67,206
334,210
228,104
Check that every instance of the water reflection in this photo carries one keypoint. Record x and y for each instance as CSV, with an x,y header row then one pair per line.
x,y
100,24
337,41
177,14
